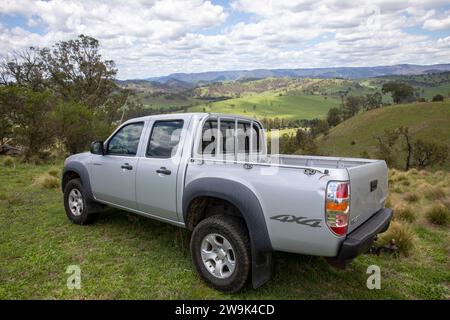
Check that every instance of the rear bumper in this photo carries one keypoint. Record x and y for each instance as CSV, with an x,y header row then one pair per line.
x,y
360,240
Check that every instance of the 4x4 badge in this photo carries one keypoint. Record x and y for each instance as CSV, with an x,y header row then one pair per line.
x,y
315,223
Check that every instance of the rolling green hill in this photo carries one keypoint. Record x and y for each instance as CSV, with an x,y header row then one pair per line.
x,y
273,105
286,98
428,121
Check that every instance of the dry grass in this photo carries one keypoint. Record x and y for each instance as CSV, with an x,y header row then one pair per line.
x,y
401,176
402,234
54,173
404,212
47,181
423,173
439,173
439,214
435,193
406,183
388,203
423,187
411,196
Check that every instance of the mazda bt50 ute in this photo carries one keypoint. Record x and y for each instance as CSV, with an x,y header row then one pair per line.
x,y
212,174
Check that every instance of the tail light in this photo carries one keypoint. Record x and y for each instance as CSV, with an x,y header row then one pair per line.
x,y
337,206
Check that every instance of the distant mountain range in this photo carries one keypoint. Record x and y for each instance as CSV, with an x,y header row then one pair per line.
x,y
338,72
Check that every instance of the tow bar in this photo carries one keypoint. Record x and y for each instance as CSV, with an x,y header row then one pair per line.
x,y
391,247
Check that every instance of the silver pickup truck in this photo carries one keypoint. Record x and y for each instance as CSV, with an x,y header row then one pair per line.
x,y
212,174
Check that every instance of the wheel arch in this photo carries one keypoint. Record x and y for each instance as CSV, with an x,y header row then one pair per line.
x,y
77,170
244,199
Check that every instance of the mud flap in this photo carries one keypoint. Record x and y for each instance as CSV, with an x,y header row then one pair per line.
x,y
261,268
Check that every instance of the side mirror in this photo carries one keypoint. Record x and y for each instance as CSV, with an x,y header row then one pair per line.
x,y
97,147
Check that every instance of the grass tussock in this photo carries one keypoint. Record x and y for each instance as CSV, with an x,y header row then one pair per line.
x,y
397,190
406,183
11,199
47,181
54,173
404,212
423,173
439,214
423,187
8,162
388,203
435,193
411,196
439,174
401,176
403,236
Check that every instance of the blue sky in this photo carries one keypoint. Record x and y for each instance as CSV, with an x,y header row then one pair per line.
x,y
158,37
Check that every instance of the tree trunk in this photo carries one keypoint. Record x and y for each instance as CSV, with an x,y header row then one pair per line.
x,y
409,150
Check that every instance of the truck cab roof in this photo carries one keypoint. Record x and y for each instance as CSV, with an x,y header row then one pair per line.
x,y
190,114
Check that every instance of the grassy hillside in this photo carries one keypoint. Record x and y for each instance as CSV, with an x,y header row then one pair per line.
x,y
272,105
165,101
425,85
428,121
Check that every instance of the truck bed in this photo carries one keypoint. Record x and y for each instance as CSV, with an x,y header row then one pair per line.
x,y
367,177
318,162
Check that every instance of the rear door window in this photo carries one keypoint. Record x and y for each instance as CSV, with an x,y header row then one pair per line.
x,y
164,139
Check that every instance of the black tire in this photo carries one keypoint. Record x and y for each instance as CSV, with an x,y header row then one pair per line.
x,y
89,212
234,231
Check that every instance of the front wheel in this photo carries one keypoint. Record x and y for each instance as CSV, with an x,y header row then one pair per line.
x,y
78,208
220,249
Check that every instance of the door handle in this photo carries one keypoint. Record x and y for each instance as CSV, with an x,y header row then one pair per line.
x,y
163,170
127,166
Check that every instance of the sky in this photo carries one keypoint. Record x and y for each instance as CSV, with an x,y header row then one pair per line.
x,y
148,38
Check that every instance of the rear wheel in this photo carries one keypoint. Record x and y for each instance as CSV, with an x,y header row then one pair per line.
x,y
220,250
78,208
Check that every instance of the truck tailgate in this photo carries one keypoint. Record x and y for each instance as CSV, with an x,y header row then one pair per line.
x,y
368,191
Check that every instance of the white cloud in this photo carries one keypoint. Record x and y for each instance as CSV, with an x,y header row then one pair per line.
x,y
438,23
158,37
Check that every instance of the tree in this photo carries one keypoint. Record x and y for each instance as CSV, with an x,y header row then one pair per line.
x,y
301,142
429,153
438,98
404,132
318,127
77,126
352,106
78,72
305,142
334,116
25,68
385,146
39,83
373,101
5,122
400,92
30,111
